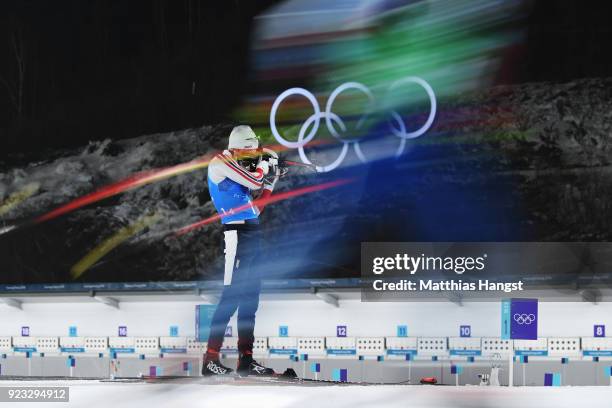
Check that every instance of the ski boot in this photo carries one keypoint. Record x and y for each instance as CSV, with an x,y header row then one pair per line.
x,y
212,366
248,366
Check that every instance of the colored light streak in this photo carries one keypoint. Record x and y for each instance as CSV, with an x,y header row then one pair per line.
x,y
18,197
266,201
141,179
112,242
132,182
125,233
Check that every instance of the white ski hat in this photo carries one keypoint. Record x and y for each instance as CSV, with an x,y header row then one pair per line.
x,y
243,137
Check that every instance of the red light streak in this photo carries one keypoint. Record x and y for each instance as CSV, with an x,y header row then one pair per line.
x,y
271,199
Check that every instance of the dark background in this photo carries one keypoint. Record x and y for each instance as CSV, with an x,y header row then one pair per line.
x,y
73,71
98,69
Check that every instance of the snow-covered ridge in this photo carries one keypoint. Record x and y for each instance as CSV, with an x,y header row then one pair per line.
x,y
555,139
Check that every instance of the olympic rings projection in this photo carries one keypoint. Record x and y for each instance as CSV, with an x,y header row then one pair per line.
x,y
523,318
332,119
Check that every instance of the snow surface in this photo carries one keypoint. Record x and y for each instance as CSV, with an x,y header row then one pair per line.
x,y
93,394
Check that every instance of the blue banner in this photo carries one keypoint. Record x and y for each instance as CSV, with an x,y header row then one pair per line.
x,y
176,286
531,352
72,349
524,319
282,351
398,352
24,349
519,319
122,350
204,314
505,319
465,352
174,350
597,353
341,352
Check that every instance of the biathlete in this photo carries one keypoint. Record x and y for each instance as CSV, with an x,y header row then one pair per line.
x,y
233,176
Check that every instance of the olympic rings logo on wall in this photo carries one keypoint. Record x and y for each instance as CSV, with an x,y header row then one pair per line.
x,y
524,318
330,117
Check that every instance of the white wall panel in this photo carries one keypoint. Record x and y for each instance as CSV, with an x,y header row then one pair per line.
x,y
305,318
